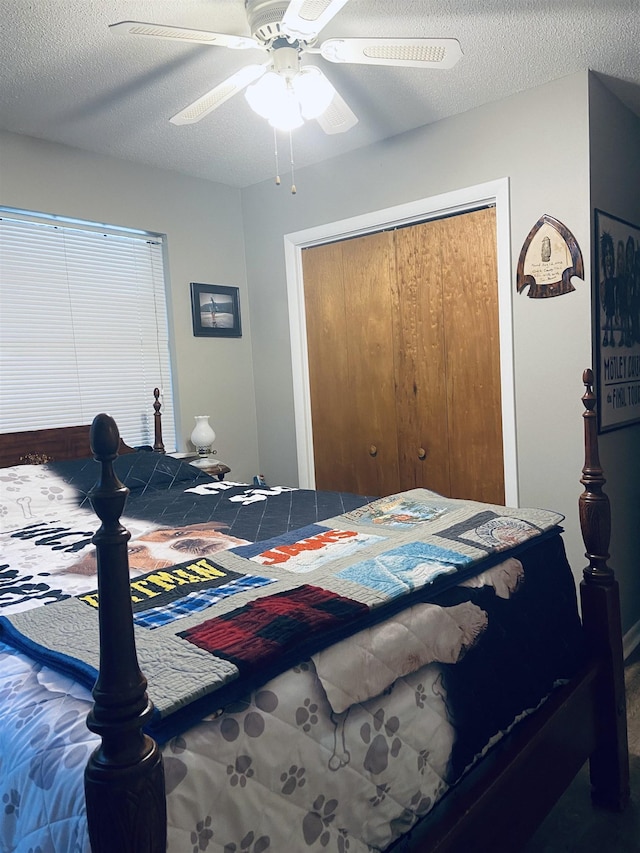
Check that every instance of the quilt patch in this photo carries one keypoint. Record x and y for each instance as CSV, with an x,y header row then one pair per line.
x,y
265,630
397,511
161,597
308,548
404,569
491,532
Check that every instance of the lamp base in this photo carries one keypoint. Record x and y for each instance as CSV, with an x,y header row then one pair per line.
x,y
213,467
204,461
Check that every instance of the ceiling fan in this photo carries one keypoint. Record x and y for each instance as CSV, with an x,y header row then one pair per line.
x,y
282,86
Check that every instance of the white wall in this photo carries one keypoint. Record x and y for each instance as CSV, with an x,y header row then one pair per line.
x,y
539,140
203,224
615,189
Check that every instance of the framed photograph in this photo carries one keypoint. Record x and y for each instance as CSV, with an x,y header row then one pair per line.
x,y
216,311
617,321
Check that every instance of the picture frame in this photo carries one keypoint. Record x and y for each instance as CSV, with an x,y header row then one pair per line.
x,y
616,279
215,310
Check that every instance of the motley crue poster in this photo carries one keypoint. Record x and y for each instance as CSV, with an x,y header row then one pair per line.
x,y
617,277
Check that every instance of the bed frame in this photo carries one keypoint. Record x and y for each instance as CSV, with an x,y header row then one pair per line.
x,y
497,806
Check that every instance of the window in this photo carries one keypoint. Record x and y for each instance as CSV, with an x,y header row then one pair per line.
x,y
83,327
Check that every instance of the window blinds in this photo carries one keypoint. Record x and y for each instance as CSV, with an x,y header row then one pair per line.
x,y
83,329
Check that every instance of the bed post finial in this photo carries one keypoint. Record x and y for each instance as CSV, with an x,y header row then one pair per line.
x,y
158,445
593,504
124,777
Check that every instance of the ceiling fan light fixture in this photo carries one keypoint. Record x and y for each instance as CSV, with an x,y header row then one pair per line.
x,y
288,117
262,95
313,91
272,98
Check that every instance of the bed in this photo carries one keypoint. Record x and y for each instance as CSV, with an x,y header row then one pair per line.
x,y
438,708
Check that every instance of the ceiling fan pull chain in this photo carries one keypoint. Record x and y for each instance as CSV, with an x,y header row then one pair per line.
x,y
293,176
275,148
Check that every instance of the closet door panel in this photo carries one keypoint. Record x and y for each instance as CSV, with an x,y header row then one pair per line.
x,y
470,320
369,270
420,363
348,308
327,330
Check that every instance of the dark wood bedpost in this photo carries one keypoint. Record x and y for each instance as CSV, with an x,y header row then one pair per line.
x,y
600,599
124,777
158,445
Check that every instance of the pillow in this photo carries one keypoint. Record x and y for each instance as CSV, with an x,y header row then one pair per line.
x,y
138,471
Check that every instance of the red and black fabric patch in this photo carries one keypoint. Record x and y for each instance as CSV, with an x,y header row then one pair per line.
x,y
271,627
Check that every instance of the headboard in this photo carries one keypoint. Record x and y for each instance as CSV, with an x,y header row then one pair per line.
x,y
47,445
35,447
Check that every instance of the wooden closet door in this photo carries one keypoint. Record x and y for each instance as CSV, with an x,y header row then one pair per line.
x,y
352,368
469,273
404,360
421,386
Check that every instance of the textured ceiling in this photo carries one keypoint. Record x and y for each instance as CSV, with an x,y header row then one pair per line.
x,y
66,78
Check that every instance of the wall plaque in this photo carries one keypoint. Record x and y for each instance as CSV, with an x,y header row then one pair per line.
x,y
548,259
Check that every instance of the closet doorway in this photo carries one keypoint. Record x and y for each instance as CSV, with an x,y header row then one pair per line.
x,y
404,359
492,193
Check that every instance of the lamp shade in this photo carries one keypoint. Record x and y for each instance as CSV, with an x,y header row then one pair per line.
x,y
203,435
313,91
274,99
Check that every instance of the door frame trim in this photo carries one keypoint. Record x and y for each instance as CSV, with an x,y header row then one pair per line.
x,y
459,201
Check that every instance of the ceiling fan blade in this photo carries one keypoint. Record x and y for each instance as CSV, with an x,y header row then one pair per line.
x,y
338,117
416,53
305,18
140,28
219,94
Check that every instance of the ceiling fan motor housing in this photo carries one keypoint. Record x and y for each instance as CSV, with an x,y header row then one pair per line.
x,y
264,18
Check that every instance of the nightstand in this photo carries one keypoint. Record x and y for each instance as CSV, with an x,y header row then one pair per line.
x,y
211,467
209,464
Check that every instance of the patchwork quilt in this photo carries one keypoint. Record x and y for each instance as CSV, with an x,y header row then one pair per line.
x,y
208,627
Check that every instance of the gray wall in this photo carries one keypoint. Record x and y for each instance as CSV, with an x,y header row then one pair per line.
x,y
203,224
615,189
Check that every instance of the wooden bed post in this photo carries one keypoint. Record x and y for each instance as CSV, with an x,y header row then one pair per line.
x,y
600,599
124,777
158,445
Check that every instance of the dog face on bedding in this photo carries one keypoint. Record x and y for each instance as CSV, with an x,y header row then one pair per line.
x,y
166,547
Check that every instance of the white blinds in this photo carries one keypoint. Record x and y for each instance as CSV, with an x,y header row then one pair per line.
x,y
83,329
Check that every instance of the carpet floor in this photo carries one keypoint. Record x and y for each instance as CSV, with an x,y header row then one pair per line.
x,y
574,826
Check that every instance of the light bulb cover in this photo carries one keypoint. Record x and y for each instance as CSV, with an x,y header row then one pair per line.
x,y
202,436
287,116
313,91
273,98
264,95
